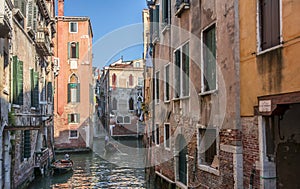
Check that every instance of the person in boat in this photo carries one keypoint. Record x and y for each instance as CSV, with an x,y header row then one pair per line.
x,y
67,157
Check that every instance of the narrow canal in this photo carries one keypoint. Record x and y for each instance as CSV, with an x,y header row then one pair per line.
x,y
124,169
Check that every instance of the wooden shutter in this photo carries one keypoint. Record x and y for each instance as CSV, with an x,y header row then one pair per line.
x,y
275,26
14,81
27,144
78,92
69,92
34,17
20,82
77,118
30,14
69,118
36,89
69,50
77,50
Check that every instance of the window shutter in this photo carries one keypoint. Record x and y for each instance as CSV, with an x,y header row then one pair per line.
x,y
30,15
275,26
69,118
49,91
77,118
34,18
69,49
177,74
17,3
185,69
27,144
32,87
36,89
78,92
157,19
164,11
14,72
77,50
69,92
20,82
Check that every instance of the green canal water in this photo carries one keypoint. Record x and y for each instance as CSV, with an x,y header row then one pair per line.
x,y
124,169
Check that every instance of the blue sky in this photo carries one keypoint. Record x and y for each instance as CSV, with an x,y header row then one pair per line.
x,y
117,27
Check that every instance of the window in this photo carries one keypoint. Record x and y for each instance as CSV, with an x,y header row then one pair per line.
x,y
17,89
157,134
269,23
167,81
73,27
157,87
73,118
73,89
34,78
137,64
27,144
49,92
167,136
114,79
6,59
127,119
140,81
165,11
207,146
114,104
73,134
131,80
153,134
209,60
131,104
120,119
154,16
182,71
73,50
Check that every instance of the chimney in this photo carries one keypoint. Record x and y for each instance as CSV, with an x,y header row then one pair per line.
x,y
60,7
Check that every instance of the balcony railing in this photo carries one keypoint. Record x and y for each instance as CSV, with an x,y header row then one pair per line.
x,y
43,42
41,157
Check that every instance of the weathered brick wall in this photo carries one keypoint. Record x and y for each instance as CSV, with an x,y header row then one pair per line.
x,y
250,149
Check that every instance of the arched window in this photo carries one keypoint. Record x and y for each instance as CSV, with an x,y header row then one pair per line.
x,y
115,102
130,80
73,49
73,89
114,79
131,107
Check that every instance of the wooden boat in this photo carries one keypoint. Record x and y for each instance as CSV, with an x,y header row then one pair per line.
x,y
62,166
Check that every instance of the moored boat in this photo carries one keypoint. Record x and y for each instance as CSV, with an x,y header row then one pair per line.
x,y
62,166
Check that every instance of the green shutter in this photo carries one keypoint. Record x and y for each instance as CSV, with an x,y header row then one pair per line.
x,y
69,118
69,49
36,89
77,50
34,18
77,118
32,87
14,79
185,69
78,92
69,92
164,11
27,144
20,83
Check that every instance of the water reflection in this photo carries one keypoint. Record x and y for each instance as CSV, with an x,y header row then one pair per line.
x,y
94,170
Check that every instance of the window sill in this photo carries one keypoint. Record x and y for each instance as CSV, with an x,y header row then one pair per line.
x,y
181,98
208,92
167,101
73,123
167,148
73,138
269,49
209,169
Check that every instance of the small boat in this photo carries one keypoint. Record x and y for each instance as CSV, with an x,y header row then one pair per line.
x,y
62,166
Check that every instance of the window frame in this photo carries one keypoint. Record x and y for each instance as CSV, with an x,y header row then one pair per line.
x,y
76,118
205,166
157,134
157,87
167,86
165,135
203,92
259,29
180,49
70,27
71,137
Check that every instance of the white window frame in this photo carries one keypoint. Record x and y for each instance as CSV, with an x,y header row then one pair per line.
x,y
157,97
70,137
76,118
201,166
165,139
181,78
165,83
258,32
70,27
202,62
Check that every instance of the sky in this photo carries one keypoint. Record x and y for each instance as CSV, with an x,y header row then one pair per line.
x,y
117,27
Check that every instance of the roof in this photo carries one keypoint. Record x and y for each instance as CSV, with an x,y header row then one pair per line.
x,y
76,18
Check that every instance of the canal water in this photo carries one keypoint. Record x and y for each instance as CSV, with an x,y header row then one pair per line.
x,y
124,169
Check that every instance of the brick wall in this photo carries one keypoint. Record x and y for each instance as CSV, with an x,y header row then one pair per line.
x,y
250,149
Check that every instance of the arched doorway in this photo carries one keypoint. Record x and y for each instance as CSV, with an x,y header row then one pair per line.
x,y
181,160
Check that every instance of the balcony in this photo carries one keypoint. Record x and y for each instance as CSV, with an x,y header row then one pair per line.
x,y
43,42
41,158
5,26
